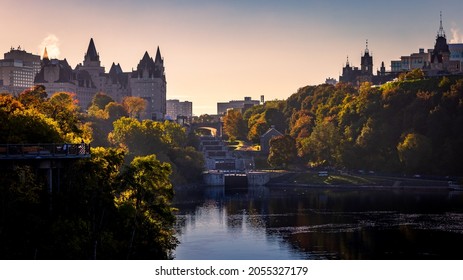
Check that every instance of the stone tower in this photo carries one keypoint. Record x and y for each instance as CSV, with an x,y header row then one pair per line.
x,y
148,81
440,56
366,65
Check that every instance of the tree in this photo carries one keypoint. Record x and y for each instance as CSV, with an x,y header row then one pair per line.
x,y
115,111
322,147
188,163
25,125
301,124
233,125
415,153
134,105
205,118
144,200
282,151
64,109
415,74
256,127
100,100
33,97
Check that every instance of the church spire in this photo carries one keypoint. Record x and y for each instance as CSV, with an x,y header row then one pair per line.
x,y
441,32
366,47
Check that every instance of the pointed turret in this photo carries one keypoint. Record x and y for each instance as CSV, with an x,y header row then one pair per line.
x,y
441,32
146,57
158,58
45,55
367,62
92,54
441,52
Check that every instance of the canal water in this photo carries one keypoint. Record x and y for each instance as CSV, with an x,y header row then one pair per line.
x,y
236,223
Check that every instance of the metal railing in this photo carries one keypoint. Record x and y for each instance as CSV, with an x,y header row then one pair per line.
x,y
54,150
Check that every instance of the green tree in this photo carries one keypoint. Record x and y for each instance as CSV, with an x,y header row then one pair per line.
x,y
115,111
415,74
282,151
188,163
64,109
322,147
101,100
25,125
415,153
144,200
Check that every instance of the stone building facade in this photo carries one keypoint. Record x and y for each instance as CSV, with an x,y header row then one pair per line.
x,y
148,81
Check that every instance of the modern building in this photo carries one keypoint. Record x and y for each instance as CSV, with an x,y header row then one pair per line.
x,y
176,108
421,59
456,53
147,81
242,105
17,70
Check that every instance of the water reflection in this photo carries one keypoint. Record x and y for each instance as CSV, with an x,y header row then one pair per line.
x,y
300,223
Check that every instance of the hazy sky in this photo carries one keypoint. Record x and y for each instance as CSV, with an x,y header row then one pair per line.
x,y
216,51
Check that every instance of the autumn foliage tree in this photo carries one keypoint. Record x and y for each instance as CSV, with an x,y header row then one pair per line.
x,y
134,105
233,125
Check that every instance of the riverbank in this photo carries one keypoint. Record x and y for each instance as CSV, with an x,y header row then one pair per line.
x,y
364,181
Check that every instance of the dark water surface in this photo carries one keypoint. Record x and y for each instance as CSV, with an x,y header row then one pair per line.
x,y
310,223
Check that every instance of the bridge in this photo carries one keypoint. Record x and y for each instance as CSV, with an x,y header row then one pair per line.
x,y
215,128
44,151
45,157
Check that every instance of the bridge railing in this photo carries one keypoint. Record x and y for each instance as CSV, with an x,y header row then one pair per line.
x,y
44,150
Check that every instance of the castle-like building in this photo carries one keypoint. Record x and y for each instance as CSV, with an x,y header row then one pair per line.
x,y
147,81
443,59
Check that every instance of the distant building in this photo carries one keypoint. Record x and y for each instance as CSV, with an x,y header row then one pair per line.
x,y
444,58
413,61
456,53
441,60
330,81
356,76
242,105
17,70
147,81
57,75
175,108
266,137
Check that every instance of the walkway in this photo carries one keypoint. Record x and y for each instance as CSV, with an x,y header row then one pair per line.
x,y
44,151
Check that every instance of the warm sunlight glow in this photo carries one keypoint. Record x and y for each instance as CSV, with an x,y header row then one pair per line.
x,y
51,42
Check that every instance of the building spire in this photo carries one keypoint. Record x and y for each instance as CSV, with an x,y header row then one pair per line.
x,y
366,47
92,54
441,32
158,58
45,54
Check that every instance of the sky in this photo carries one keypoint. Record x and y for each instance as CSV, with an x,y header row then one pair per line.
x,y
217,51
